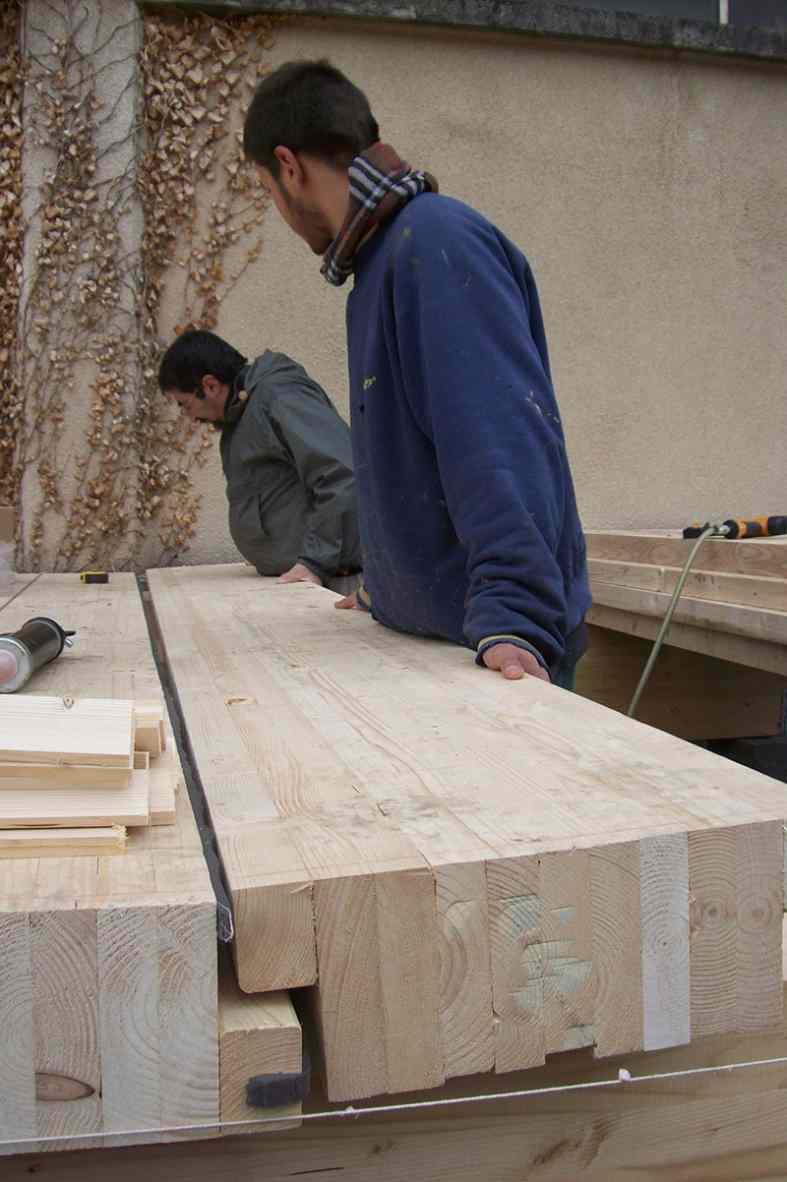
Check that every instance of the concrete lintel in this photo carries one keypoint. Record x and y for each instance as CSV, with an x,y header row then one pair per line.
x,y
535,18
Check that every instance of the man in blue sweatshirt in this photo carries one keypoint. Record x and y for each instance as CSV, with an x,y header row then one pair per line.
x,y
469,525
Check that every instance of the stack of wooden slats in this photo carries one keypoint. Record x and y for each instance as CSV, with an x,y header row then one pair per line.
x,y
75,773
733,606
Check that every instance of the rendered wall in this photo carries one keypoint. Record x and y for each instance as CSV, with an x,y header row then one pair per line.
x,y
649,194
648,191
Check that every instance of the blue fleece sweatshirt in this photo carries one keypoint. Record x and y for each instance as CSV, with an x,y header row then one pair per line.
x,y
469,524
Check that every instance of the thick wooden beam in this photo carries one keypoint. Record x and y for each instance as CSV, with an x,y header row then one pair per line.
x,y
259,1034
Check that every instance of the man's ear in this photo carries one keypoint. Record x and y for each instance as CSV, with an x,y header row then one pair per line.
x,y
290,166
208,385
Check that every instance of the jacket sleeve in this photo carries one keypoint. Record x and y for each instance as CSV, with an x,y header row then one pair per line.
x,y
319,442
480,390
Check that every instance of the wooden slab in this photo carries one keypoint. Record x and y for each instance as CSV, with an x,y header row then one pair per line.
x,y
690,695
163,785
62,843
751,556
746,590
378,798
66,730
149,727
259,1034
29,805
762,624
108,984
48,776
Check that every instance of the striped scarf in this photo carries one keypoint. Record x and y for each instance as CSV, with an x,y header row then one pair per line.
x,y
380,183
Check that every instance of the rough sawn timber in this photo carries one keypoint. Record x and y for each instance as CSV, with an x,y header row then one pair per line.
x,y
474,873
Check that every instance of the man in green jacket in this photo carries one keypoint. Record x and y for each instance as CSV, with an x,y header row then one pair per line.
x,y
286,457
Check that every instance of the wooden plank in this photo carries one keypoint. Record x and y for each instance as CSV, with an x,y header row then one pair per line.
x,y
360,783
689,695
148,727
378,999
39,729
570,980
725,646
62,843
763,624
187,1018
76,807
713,894
162,875
467,1024
348,952
751,556
67,1057
17,1076
515,914
664,908
617,942
130,1030
747,590
259,1034
759,862
163,787
48,776
409,978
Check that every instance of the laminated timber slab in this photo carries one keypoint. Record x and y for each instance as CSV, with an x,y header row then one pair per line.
x,y
108,994
474,873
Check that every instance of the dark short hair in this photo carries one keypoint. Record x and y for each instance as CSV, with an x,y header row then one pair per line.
x,y
308,107
195,354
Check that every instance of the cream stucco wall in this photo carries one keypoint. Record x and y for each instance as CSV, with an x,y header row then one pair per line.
x,y
649,193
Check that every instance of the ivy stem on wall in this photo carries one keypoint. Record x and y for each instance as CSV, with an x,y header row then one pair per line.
x,y
142,211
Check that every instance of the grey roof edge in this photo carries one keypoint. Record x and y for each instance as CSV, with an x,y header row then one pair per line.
x,y
534,17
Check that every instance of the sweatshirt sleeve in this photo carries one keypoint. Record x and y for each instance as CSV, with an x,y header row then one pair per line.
x,y
480,390
319,442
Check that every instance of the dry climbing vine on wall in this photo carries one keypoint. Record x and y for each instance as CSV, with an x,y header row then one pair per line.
x,y
203,211
11,239
107,479
78,329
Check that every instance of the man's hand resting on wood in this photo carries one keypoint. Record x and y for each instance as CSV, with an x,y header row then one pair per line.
x,y
350,601
300,574
513,662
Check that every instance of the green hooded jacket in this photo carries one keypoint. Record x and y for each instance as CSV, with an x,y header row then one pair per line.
x,y
287,461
